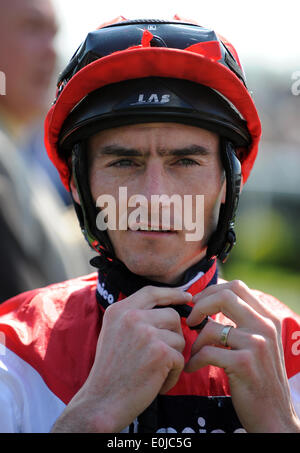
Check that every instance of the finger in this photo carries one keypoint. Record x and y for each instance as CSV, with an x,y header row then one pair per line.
x,y
172,339
212,355
212,335
242,291
236,286
164,318
228,303
150,296
175,372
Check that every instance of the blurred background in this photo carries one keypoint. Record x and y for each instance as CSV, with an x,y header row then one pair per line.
x,y
266,36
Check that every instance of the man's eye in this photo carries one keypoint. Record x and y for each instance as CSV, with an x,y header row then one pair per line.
x,y
123,163
186,162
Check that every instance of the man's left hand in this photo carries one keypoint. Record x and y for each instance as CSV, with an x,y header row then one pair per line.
x,y
254,359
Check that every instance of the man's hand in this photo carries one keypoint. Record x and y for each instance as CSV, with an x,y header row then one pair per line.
x,y
139,354
254,363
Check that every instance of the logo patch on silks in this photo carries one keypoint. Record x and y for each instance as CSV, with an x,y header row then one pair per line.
x,y
189,414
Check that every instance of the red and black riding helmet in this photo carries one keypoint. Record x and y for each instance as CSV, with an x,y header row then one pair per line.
x,y
135,71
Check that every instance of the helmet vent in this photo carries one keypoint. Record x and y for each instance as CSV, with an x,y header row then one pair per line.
x,y
156,41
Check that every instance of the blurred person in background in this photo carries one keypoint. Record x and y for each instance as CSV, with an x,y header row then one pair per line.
x,y
38,240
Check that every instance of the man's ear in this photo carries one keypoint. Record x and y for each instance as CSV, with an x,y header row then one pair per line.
x,y
74,191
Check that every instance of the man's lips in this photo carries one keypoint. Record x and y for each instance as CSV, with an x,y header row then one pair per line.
x,y
151,228
153,232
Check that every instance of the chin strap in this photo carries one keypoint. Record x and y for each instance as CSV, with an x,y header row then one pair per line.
x,y
87,211
224,238
221,241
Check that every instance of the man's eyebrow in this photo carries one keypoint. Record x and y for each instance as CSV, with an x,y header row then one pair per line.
x,y
192,150
118,150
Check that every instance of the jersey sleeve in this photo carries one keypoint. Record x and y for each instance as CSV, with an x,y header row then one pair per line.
x,y
291,343
27,405
9,408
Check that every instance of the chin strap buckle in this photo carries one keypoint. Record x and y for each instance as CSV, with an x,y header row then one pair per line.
x,y
231,240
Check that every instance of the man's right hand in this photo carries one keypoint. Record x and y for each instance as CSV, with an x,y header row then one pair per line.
x,y
138,356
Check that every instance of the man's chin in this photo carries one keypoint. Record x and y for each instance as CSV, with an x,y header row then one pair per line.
x,y
158,267
149,267
157,259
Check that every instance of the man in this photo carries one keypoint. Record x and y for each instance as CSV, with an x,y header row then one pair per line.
x,y
27,49
154,342
34,223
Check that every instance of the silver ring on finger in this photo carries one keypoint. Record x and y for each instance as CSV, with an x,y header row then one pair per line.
x,y
224,335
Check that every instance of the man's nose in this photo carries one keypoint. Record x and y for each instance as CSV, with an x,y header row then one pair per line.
x,y
155,180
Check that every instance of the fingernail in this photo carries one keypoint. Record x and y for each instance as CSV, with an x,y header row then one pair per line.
x,y
201,322
188,296
200,325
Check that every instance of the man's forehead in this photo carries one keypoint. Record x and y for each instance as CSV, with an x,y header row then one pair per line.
x,y
161,135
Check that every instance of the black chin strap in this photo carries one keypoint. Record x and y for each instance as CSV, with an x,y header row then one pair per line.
x,y
224,238
87,211
117,278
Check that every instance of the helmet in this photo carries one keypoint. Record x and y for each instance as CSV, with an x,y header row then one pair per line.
x,y
138,71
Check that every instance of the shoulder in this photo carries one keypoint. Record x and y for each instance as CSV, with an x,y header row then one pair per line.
x,y
49,328
43,299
